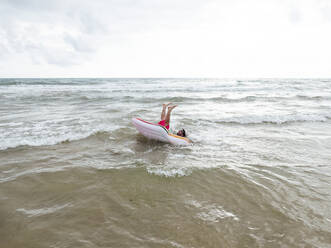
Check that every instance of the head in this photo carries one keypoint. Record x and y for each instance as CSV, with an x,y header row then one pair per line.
x,y
181,133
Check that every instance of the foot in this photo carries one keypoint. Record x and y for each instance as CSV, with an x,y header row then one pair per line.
x,y
172,107
166,105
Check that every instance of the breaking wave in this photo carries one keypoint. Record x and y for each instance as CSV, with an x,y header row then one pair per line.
x,y
51,137
276,119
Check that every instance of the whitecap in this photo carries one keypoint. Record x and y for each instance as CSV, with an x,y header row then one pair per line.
x,y
276,119
211,212
40,134
169,172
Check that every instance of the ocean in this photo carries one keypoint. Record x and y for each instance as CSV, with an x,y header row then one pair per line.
x,y
74,171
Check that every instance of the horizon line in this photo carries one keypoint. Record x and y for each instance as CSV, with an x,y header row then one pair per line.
x,y
165,78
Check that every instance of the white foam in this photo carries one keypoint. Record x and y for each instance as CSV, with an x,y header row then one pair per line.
x,y
215,214
211,212
42,211
169,172
45,133
277,119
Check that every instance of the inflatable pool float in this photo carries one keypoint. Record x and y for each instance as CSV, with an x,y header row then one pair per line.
x,y
158,132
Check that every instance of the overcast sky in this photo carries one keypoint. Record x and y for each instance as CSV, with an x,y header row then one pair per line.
x,y
165,38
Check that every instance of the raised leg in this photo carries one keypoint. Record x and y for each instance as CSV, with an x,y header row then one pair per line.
x,y
167,119
163,113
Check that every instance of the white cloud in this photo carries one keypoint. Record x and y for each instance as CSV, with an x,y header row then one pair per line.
x,y
145,38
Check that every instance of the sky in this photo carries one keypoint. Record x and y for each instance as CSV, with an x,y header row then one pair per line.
x,y
165,38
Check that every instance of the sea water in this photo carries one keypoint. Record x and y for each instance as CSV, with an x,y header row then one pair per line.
x,y
74,172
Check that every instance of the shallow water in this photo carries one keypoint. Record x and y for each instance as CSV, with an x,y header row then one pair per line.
x,y
74,172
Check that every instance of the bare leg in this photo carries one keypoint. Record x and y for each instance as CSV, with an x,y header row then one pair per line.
x,y
163,113
167,119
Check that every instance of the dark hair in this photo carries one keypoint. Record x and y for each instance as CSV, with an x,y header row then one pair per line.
x,y
183,132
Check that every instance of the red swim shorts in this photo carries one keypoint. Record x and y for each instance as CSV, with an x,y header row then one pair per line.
x,y
162,123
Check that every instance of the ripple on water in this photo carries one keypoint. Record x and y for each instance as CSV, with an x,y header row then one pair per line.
x,y
43,211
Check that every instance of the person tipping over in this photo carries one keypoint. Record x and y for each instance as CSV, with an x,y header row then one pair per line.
x,y
165,118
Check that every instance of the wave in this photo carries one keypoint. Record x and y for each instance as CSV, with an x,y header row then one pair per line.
x,y
50,81
181,99
276,119
173,172
45,141
223,99
41,96
304,97
70,96
40,135
52,139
